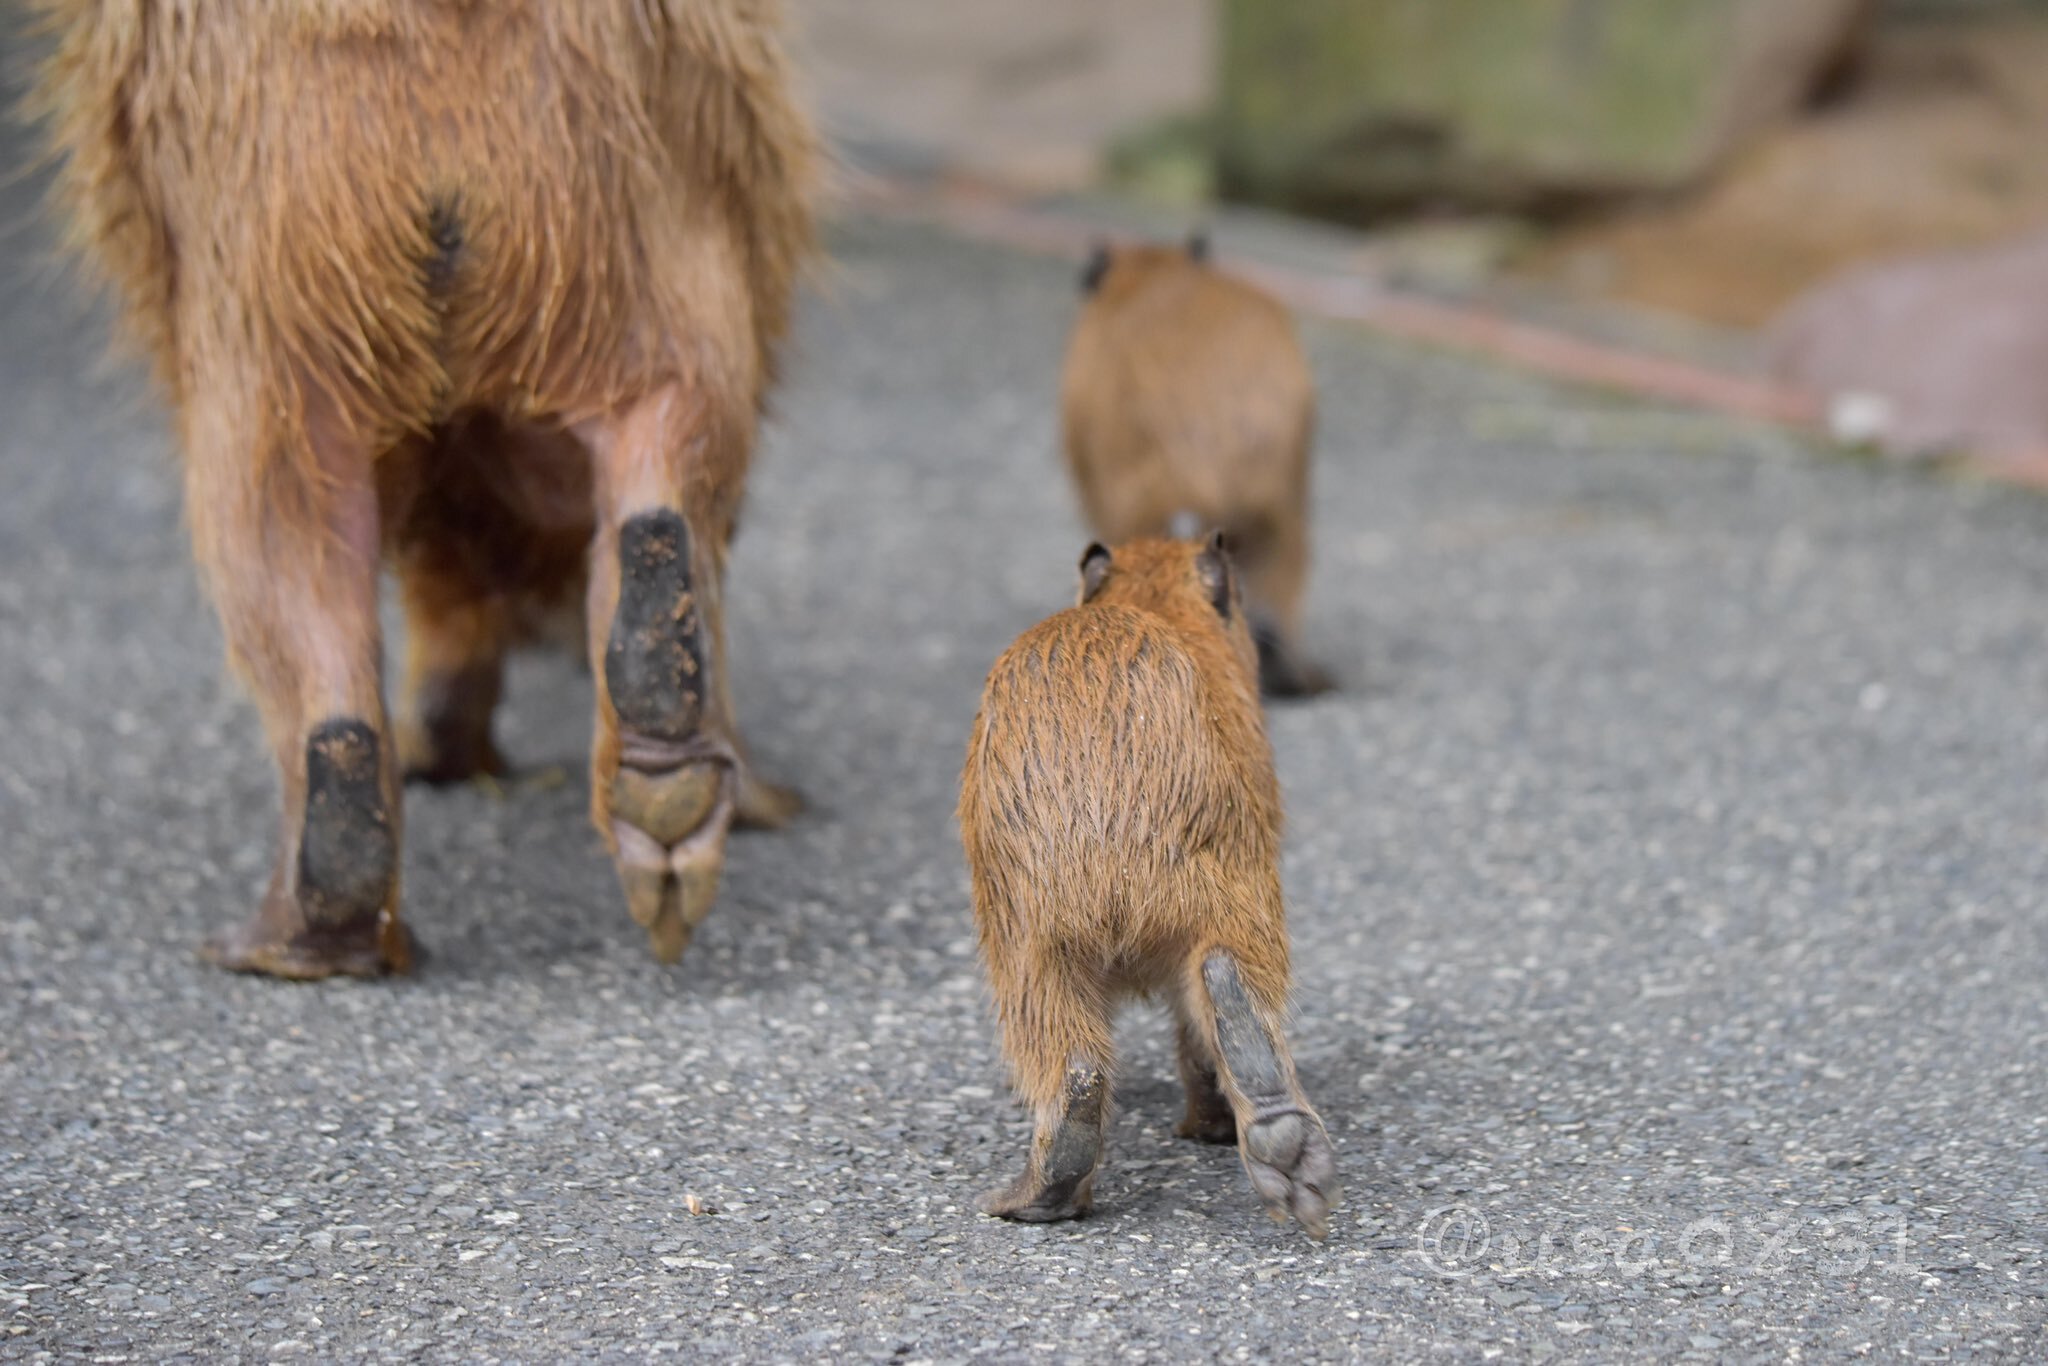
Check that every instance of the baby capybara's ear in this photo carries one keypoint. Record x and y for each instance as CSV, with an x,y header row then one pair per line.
x,y
1212,566
1097,266
1198,245
1094,569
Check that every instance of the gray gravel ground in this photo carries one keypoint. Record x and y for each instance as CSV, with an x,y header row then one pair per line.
x,y
1666,887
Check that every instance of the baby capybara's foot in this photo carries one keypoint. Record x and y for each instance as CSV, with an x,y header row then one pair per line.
x,y
675,788
1291,1165
1209,1118
1060,1181
335,911
1285,1150
1026,1201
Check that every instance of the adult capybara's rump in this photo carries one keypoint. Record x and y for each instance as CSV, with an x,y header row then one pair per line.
x,y
1122,828
491,287
418,205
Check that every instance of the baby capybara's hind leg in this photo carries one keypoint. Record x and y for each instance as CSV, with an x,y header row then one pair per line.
x,y
1056,1034
285,525
1209,1117
668,774
1280,1138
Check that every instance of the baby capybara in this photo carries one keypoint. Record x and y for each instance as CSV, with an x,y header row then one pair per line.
x,y
488,290
1122,825
1186,399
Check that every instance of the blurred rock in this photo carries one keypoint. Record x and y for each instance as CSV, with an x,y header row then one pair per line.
x,y
1935,145
1357,109
1028,96
1929,354
1458,253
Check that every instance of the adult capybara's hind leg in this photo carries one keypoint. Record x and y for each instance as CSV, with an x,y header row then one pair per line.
x,y
454,673
285,525
488,525
668,774
1280,1138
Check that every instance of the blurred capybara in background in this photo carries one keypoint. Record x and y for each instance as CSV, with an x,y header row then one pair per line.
x,y
494,287
1187,405
1122,825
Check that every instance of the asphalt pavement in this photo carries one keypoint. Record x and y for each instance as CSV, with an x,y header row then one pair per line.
x,y
1666,883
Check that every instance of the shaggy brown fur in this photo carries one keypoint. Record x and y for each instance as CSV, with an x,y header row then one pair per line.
x,y
477,283
1186,396
1122,825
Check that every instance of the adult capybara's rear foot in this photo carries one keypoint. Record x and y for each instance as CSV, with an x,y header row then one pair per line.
x,y
448,740
277,942
333,909
673,787
669,821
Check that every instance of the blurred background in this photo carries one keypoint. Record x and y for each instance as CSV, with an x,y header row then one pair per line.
x,y
1709,170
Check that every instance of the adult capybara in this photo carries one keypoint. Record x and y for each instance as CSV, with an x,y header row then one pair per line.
x,y
1187,403
492,287
1122,825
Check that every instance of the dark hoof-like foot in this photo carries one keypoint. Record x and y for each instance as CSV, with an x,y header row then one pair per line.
x,y
677,787
334,911
654,657
375,947
348,850
1288,1157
